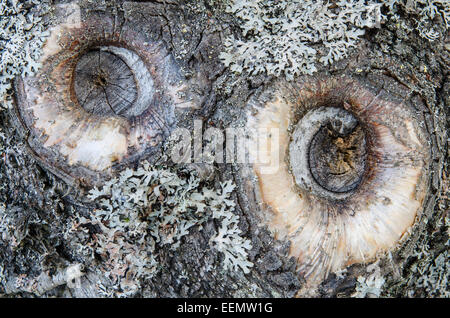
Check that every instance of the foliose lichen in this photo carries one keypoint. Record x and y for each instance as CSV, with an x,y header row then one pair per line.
x,y
145,209
22,34
370,285
425,11
290,38
432,266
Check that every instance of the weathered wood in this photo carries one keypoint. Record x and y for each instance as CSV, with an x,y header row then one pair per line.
x,y
104,84
47,213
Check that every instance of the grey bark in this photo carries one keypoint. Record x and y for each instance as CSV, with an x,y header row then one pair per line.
x,y
39,203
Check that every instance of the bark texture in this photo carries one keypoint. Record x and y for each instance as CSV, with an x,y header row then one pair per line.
x,y
39,203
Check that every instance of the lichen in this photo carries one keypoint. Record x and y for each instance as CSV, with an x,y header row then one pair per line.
x,y
228,239
143,210
426,271
425,11
99,232
371,285
44,282
22,34
289,37
2,149
431,267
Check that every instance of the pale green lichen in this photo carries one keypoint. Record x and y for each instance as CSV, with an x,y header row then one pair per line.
x,y
426,11
43,283
2,147
228,239
22,34
289,38
152,207
431,269
370,286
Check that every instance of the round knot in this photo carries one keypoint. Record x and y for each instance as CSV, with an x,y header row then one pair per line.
x,y
104,84
328,152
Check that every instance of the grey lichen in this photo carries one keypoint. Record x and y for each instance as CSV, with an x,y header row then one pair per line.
x,y
44,282
371,285
433,268
22,34
145,209
425,11
129,227
2,149
290,38
426,273
228,240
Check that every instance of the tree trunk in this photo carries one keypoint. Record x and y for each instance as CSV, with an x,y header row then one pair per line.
x,y
46,217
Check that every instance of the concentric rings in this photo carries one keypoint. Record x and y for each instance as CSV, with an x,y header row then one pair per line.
x,y
353,170
105,96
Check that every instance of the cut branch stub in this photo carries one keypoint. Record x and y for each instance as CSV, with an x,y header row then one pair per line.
x,y
105,97
353,170
104,84
328,151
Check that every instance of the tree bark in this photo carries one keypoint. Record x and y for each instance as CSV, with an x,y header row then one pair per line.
x,y
39,203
